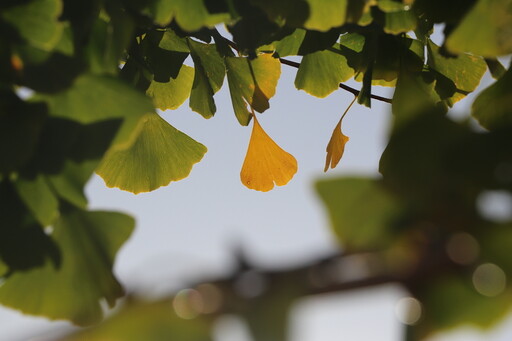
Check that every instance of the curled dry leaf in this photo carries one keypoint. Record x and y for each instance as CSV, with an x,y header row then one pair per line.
x,y
335,147
266,163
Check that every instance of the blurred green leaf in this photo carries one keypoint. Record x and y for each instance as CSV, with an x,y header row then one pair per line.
x,y
150,321
37,22
94,98
485,30
23,243
20,127
492,107
172,94
88,242
326,14
208,78
39,198
495,67
190,15
108,41
252,82
361,211
160,154
452,301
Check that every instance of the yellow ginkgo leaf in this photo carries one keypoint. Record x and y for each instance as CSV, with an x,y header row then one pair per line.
x,y
335,148
336,145
266,163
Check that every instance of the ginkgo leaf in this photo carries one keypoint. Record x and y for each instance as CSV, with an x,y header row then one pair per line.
x,y
159,154
252,81
172,94
37,22
266,163
73,289
336,145
488,24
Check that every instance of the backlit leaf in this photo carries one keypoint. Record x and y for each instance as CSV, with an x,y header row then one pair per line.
x,y
326,14
208,78
190,15
458,76
266,163
485,30
159,154
492,106
252,81
37,22
336,145
335,148
39,198
147,321
361,212
320,73
172,94
95,98
88,242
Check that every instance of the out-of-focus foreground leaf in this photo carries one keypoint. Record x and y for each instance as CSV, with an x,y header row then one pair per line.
x,y
73,289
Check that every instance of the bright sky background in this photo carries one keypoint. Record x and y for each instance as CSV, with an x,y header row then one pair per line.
x,y
189,230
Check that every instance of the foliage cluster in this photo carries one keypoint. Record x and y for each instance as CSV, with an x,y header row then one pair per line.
x,y
79,85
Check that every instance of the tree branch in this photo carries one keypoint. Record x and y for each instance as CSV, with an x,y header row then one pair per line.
x,y
353,91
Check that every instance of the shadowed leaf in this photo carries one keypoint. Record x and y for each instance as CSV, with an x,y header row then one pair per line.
x,y
88,242
172,94
252,81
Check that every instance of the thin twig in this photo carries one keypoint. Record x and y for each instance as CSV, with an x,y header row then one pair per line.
x,y
355,92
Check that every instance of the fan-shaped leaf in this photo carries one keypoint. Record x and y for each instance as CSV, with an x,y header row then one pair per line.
x,y
266,163
37,22
485,30
208,77
253,82
88,242
320,73
492,107
172,94
159,154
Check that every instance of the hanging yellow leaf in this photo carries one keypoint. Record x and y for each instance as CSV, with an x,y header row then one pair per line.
x,y
266,163
335,148
336,145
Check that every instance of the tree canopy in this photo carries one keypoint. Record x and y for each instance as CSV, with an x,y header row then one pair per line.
x,y
80,85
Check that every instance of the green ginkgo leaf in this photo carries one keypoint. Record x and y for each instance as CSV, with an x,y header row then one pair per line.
x,y
253,82
208,77
348,201
39,197
73,289
321,72
37,21
485,30
173,94
492,106
458,76
190,15
95,98
158,155
326,14
138,320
